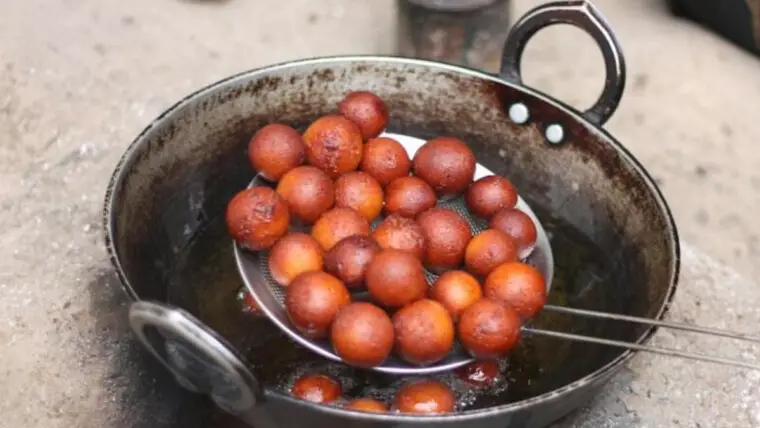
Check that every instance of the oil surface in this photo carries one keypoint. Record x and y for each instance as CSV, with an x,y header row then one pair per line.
x,y
206,282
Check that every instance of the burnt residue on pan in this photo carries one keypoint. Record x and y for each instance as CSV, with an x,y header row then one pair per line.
x,y
613,237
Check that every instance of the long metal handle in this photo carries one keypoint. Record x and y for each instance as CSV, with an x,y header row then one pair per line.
x,y
647,348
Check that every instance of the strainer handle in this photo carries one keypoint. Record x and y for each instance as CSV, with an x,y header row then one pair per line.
x,y
199,359
584,15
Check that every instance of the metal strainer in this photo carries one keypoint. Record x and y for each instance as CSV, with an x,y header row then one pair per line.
x,y
270,296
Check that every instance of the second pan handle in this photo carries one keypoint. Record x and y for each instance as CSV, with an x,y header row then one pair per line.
x,y
584,15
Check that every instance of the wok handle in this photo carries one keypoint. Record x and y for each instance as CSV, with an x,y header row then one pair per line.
x,y
199,359
584,15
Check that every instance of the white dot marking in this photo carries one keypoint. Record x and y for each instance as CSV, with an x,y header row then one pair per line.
x,y
555,133
519,113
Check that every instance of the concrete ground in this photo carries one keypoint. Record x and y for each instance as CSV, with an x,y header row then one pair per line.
x,y
80,78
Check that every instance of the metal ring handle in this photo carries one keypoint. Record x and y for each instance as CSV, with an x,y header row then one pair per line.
x,y
199,359
581,14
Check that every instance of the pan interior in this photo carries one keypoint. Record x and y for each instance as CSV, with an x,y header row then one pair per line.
x,y
612,238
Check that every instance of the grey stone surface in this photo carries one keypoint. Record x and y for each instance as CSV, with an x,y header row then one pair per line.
x,y
79,79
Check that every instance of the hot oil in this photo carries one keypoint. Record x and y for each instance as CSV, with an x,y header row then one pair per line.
x,y
206,282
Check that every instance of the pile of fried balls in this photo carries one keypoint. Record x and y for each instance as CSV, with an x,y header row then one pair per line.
x,y
331,184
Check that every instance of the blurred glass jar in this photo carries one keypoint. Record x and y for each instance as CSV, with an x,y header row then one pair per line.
x,y
463,32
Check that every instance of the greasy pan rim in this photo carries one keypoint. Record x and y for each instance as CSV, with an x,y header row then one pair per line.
x,y
124,166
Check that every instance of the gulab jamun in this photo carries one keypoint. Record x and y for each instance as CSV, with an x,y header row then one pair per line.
x,y
487,250
400,233
308,191
333,144
385,159
248,304
445,163
488,329
488,195
425,397
349,258
518,226
456,290
312,300
367,405
257,218
292,255
317,387
395,278
520,285
446,237
367,111
409,196
337,224
362,335
358,190
276,149
424,332
480,374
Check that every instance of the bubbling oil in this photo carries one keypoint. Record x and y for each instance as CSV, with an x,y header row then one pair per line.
x,y
205,282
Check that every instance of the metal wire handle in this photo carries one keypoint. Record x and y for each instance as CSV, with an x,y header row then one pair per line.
x,y
647,348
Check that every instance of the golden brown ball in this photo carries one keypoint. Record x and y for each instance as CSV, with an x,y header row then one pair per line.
x,y
317,387
518,226
337,224
456,290
362,335
425,397
349,258
409,196
488,329
312,300
487,250
385,159
308,191
292,255
395,278
333,144
256,218
488,195
367,111
276,149
480,374
520,285
446,236
367,405
445,163
424,332
400,233
358,190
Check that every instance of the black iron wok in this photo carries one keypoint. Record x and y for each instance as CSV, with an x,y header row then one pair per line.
x,y
614,240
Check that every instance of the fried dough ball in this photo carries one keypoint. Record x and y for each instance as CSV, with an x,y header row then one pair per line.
x,y
518,226
308,191
292,255
488,329
349,258
385,159
488,195
276,149
337,224
456,290
362,335
424,332
425,397
409,196
358,190
518,284
367,111
481,374
446,236
312,300
487,250
317,388
367,405
447,164
400,233
333,144
395,278
256,218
